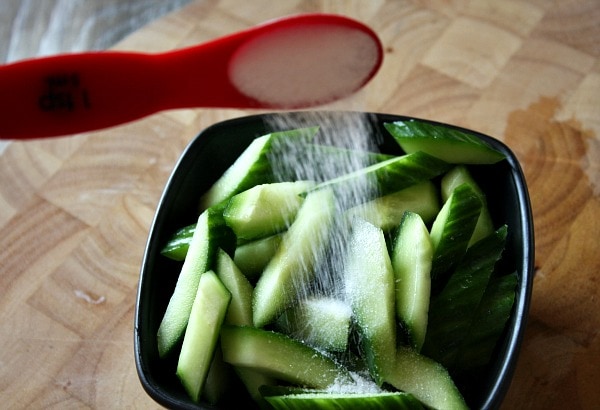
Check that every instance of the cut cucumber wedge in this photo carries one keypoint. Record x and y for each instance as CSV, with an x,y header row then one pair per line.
x,y
452,311
452,230
426,380
488,324
412,254
177,246
386,177
240,313
328,401
200,340
280,357
252,167
210,234
369,287
460,175
321,322
252,257
386,212
265,209
449,144
291,268
240,308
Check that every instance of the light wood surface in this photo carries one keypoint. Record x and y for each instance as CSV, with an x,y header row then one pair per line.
x,y
75,211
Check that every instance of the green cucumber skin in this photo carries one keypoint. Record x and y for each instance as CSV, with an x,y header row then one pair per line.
x,y
412,255
210,234
292,265
488,324
450,145
389,176
451,231
426,379
252,167
328,401
265,209
178,244
458,176
280,357
452,312
202,332
369,286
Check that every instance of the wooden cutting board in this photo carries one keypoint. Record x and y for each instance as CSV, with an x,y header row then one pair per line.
x,y
75,211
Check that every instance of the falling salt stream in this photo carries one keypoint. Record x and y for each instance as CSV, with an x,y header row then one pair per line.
x,y
353,131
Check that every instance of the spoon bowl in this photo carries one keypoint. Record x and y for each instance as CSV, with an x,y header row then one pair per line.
x,y
287,63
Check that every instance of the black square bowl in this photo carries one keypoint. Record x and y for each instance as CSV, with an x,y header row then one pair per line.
x,y
217,147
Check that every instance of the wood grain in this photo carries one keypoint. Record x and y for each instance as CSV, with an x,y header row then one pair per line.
x,y
75,211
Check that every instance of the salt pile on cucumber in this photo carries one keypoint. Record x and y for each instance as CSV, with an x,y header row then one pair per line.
x,y
368,285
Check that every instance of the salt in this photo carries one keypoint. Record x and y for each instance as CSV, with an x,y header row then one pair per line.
x,y
299,64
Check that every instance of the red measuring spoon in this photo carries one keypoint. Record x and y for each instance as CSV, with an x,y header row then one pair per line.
x,y
287,63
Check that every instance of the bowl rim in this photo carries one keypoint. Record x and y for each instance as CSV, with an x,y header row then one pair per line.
x,y
515,328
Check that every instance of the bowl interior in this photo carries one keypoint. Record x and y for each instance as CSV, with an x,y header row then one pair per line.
x,y
207,157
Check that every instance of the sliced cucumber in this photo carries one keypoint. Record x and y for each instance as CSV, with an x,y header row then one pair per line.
x,y
321,322
252,257
240,313
449,144
452,311
488,324
177,246
386,212
240,308
218,380
426,380
252,167
279,356
412,254
369,287
452,230
291,268
265,209
458,176
202,332
210,234
388,176
328,401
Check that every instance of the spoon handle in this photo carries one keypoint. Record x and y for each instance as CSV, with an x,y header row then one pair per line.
x,y
73,93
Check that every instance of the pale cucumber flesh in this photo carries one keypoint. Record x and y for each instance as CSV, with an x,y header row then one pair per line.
x,y
386,211
292,265
369,286
202,333
265,209
322,322
412,255
251,168
426,380
279,356
210,234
